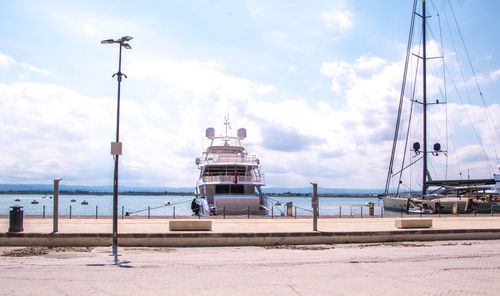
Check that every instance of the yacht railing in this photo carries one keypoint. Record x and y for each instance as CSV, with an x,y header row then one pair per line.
x,y
231,179
251,159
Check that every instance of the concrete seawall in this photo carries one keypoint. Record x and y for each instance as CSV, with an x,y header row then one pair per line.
x,y
241,239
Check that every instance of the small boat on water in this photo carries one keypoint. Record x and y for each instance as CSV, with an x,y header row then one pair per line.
x,y
420,210
230,179
73,200
84,202
17,199
34,202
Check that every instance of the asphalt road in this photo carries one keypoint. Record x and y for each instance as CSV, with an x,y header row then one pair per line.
x,y
419,268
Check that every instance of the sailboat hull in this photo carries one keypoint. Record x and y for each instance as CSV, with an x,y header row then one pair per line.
x,y
441,204
395,203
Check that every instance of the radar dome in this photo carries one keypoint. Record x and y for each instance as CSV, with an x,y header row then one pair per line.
x,y
242,133
210,133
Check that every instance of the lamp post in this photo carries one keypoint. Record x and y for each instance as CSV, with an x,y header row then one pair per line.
x,y
116,147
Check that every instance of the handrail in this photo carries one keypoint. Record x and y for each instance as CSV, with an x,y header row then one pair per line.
x,y
231,179
252,159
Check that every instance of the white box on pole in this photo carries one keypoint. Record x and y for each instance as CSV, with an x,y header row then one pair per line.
x,y
116,148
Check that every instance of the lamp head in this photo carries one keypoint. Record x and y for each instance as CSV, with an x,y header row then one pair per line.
x,y
107,41
125,39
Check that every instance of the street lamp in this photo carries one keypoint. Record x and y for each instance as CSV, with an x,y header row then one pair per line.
x,y
116,147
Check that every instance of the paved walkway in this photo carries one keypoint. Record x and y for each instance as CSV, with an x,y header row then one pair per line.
x,y
245,232
422,268
291,225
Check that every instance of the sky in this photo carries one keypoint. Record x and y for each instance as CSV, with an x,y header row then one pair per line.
x,y
315,83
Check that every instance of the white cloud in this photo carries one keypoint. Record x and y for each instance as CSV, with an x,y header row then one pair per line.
x,y
32,68
90,30
494,74
54,129
369,63
342,74
292,69
48,131
338,19
6,61
202,79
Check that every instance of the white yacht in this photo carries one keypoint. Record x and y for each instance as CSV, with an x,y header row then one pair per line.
x,y
230,179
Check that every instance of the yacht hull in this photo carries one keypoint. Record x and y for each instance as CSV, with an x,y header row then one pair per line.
x,y
238,205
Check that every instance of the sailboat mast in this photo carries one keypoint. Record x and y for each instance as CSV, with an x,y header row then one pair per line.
x,y
424,93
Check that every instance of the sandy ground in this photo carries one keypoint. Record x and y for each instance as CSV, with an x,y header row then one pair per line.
x,y
421,268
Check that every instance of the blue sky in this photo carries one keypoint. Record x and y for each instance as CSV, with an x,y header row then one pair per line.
x,y
315,83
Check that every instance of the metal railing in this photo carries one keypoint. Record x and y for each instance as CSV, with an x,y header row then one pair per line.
x,y
276,210
230,178
251,159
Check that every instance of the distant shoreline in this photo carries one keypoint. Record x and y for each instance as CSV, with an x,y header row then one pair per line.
x,y
148,193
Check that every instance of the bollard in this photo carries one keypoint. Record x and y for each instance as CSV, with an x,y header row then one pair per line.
x,y
340,212
224,212
381,212
70,212
491,210
149,212
361,211
43,211
295,212
96,212
315,205
174,212
289,208
122,211
401,212
55,211
16,219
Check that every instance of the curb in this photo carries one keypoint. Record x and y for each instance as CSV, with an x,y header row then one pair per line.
x,y
204,239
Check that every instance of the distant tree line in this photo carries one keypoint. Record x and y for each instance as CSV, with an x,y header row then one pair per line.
x,y
149,193
292,194
85,192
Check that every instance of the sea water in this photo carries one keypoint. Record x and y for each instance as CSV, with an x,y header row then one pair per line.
x,y
166,205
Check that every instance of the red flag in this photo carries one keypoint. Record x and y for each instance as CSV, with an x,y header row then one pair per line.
x,y
235,177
